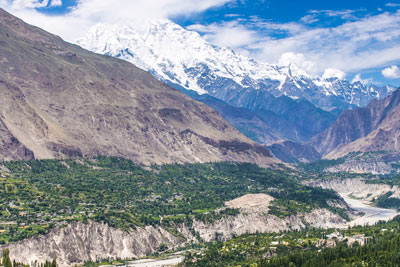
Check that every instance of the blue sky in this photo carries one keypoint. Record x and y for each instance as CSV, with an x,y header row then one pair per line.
x,y
358,40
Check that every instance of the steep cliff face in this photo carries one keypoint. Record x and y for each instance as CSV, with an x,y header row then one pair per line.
x,y
80,242
59,100
354,124
259,222
358,188
10,147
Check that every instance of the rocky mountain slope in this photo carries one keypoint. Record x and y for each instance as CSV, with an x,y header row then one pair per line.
x,y
59,100
245,121
10,147
289,151
271,118
183,58
385,137
285,102
372,128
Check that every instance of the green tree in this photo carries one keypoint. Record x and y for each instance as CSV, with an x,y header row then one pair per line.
x,y
6,258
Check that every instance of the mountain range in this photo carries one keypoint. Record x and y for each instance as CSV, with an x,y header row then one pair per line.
x,y
281,102
183,58
59,100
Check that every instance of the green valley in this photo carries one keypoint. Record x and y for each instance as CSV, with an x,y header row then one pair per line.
x,y
41,194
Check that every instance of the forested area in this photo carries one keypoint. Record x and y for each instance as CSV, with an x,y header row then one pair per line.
x,y
308,248
38,195
6,261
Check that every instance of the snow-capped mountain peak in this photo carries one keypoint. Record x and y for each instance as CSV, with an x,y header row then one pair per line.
x,y
184,59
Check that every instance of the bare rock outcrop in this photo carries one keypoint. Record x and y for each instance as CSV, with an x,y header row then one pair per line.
x,y
259,222
79,242
254,218
357,188
10,147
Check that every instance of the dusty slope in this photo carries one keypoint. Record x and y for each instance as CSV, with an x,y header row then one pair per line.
x,y
59,100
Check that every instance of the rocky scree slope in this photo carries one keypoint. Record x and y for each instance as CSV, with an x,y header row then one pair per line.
x,y
59,100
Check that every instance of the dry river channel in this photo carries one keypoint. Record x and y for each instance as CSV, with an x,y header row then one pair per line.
x,y
372,214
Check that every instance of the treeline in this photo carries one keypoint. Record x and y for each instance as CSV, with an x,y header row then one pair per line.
x,y
6,261
382,251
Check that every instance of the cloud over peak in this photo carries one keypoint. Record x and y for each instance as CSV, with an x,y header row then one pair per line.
x,y
392,72
87,13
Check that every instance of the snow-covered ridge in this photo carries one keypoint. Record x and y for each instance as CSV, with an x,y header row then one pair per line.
x,y
163,46
183,58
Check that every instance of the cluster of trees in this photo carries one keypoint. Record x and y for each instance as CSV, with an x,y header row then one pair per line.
x,y
304,248
380,251
6,261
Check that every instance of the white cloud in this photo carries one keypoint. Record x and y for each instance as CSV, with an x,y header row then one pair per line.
x,y
363,44
392,5
355,45
392,72
298,59
371,42
231,34
358,78
56,3
309,19
344,14
333,73
20,4
90,12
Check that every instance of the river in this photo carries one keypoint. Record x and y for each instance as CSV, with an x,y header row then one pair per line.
x,y
371,214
